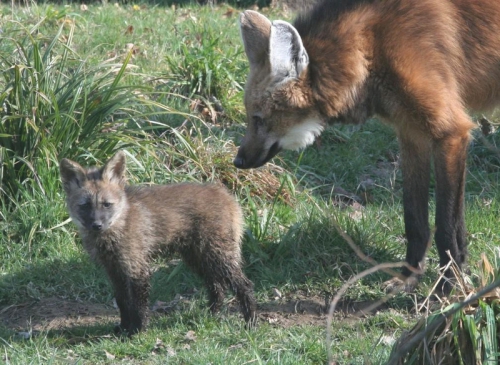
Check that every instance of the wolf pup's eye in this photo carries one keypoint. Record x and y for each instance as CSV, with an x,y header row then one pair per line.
x,y
106,204
84,204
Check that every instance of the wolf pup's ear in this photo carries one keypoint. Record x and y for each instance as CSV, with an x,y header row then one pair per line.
x,y
287,54
255,31
114,169
72,174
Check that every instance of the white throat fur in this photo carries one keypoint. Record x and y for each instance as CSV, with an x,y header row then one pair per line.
x,y
302,134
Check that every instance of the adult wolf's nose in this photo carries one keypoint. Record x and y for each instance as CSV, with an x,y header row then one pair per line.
x,y
239,162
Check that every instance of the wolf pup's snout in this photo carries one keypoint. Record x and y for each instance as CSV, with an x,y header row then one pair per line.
x,y
97,226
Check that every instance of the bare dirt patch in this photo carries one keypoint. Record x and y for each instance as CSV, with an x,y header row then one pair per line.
x,y
313,310
297,312
55,314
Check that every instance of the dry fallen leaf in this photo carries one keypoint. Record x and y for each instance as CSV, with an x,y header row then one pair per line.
x,y
109,356
229,13
158,346
133,48
130,29
190,336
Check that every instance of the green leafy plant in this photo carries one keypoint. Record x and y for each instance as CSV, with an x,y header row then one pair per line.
x,y
55,104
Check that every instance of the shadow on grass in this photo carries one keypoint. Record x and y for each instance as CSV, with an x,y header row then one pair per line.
x,y
299,275
312,251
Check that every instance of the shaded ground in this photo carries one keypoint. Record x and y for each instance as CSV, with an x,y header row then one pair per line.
x,y
57,314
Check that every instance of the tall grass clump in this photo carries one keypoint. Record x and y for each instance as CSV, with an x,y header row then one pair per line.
x,y
201,67
204,66
55,104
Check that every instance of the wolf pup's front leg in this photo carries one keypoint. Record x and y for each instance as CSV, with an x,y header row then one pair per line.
x,y
131,296
138,289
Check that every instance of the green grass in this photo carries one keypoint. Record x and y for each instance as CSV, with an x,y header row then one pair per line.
x,y
291,242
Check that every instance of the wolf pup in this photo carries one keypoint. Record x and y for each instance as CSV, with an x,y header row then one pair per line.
x,y
123,227
418,65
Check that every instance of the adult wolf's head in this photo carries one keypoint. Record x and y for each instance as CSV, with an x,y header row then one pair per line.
x,y
278,100
95,197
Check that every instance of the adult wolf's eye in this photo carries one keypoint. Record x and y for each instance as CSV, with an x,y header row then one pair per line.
x,y
106,204
258,121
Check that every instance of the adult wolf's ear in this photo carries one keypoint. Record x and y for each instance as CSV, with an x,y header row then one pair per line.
x,y
287,54
278,43
255,31
114,169
72,175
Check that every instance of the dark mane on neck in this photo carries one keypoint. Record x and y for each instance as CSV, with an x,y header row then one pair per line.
x,y
309,22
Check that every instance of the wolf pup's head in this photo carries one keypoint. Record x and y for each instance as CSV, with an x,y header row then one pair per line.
x,y
278,101
95,197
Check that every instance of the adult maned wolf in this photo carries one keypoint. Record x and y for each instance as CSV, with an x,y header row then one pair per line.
x,y
124,227
418,65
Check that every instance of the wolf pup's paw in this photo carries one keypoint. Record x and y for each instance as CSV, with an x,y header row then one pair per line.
x,y
251,323
121,330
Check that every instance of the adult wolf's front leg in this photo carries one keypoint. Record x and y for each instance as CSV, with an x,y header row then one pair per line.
x,y
415,162
449,158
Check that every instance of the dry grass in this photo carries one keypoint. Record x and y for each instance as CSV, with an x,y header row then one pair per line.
x,y
195,149
461,329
